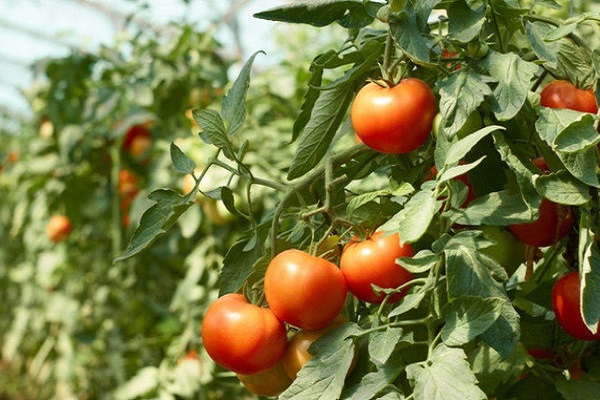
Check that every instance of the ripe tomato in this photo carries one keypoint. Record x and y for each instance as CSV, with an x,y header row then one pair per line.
x,y
297,354
242,337
58,228
566,304
303,290
269,383
563,94
137,140
128,185
554,221
373,262
394,120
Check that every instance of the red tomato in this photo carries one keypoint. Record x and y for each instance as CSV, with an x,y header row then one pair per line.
x,y
373,262
566,304
137,140
303,290
394,120
563,94
242,337
58,228
554,222
297,354
269,383
128,185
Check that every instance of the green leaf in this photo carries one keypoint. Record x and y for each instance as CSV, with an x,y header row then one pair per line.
x,y
362,199
156,220
459,149
521,168
546,51
460,94
181,162
382,344
468,317
589,267
567,130
446,376
350,14
233,108
459,170
496,208
492,369
575,63
238,265
465,23
411,31
412,221
514,76
228,200
582,165
562,188
327,115
578,389
213,130
323,376
373,383
421,262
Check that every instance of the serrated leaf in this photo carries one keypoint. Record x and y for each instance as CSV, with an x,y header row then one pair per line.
x,y
412,221
496,208
362,199
350,14
383,343
589,267
468,317
446,376
323,376
465,23
514,76
327,115
567,130
421,262
238,265
460,94
459,149
233,108
409,302
412,32
375,382
493,370
562,188
582,165
156,220
546,51
181,162
212,130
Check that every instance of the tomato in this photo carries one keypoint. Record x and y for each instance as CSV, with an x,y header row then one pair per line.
x,y
507,250
46,129
297,354
242,337
554,221
138,141
269,383
304,290
394,119
12,157
563,94
373,262
128,185
566,303
58,228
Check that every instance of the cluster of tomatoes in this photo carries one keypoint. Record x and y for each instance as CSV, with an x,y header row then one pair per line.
x,y
307,293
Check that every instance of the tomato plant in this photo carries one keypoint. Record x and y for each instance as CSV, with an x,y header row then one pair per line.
x,y
395,119
304,290
138,140
242,337
566,303
373,262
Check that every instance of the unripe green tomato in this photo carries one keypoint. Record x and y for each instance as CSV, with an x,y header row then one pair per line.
x,y
508,250
477,50
397,5
435,127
